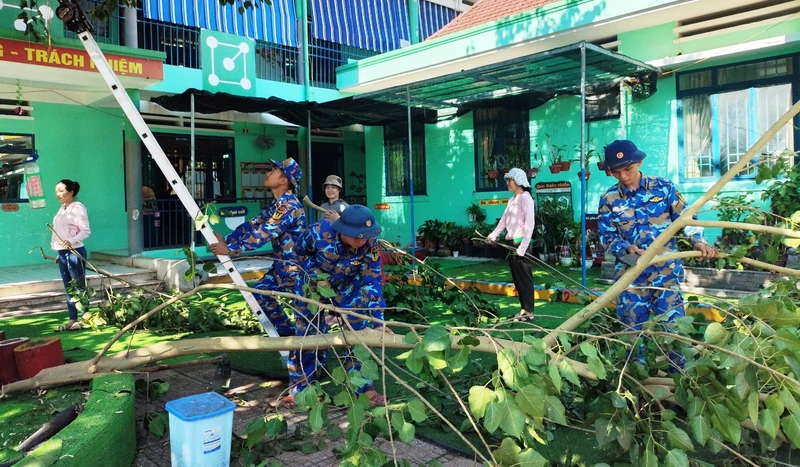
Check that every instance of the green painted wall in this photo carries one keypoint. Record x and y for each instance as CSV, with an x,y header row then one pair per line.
x,y
67,139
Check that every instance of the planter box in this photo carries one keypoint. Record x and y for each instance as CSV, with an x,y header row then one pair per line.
x,y
711,278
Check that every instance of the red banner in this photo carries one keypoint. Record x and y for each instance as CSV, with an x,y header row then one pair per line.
x,y
74,59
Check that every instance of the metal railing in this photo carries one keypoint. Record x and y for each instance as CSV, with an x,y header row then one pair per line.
x,y
166,224
180,43
106,31
277,62
325,56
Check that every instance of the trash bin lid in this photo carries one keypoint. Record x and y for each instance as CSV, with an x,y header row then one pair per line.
x,y
200,406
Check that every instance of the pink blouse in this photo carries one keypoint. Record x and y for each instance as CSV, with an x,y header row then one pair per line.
x,y
71,223
518,220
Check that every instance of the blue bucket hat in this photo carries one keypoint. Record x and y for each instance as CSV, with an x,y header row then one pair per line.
x,y
357,221
291,169
620,154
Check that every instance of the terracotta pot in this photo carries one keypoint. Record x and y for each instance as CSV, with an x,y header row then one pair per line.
x,y
588,174
599,166
565,166
532,172
555,168
492,174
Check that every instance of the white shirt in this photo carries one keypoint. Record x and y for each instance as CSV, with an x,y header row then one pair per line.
x,y
70,223
518,221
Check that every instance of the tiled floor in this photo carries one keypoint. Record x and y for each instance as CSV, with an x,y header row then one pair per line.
x,y
255,398
48,271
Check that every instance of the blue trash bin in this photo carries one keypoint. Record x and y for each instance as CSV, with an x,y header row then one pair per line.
x,y
200,428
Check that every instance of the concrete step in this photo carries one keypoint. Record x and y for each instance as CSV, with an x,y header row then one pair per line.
x,y
54,285
55,300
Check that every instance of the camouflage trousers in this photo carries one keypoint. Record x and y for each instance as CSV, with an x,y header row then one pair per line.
x,y
271,307
306,365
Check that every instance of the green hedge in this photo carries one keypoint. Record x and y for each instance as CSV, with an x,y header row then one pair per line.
x,y
105,430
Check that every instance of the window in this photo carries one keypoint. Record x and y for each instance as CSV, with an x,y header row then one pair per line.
x,y
395,144
14,150
724,110
502,141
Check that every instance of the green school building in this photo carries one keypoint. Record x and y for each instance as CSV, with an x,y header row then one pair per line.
x,y
710,78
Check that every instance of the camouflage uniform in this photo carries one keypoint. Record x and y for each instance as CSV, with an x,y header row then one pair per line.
x,y
355,276
637,217
281,223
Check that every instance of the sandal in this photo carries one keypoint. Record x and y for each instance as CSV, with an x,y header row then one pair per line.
x,y
376,398
75,326
288,402
523,316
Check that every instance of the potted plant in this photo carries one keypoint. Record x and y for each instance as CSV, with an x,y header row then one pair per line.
x,y
558,164
476,213
429,230
591,154
447,232
538,159
492,172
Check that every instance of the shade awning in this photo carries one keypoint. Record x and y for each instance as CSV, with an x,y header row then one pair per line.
x,y
275,23
556,71
334,114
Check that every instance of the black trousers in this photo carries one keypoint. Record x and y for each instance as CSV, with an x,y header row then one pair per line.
x,y
523,280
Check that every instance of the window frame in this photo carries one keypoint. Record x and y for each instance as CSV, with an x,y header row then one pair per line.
x,y
714,90
27,152
501,120
418,136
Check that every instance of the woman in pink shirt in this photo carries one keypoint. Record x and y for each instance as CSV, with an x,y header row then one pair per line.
x,y
518,221
71,226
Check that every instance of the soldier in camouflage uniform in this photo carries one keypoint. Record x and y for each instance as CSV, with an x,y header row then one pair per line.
x,y
281,223
632,214
347,251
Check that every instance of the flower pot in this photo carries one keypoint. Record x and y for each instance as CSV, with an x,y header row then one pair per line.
x,y
588,263
565,166
599,166
555,168
532,172
492,174
588,174
566,261
420,242
455,253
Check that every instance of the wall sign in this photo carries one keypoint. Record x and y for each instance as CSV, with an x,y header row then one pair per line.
x,y
560,192
229,63
382,206
10,207
493,202
74,59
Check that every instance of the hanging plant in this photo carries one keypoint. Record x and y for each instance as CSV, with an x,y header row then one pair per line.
x,y
19,110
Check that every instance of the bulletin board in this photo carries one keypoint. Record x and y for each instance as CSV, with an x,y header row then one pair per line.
x,y
252,178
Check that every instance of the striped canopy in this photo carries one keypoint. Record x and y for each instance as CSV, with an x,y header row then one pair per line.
x,y
276,23
373,24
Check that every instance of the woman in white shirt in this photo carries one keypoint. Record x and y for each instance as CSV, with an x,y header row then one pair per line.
x,y
518,221
71,226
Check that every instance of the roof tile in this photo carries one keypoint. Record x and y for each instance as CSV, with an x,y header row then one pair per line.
x,y
486,11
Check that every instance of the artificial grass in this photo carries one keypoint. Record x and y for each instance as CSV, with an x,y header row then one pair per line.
x,y
24,413
105,430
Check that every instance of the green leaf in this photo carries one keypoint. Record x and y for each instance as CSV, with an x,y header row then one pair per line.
x,y
410,339
770,421
531,400
397,420
326,292
479,398
407,432
791,427
701,428
535,356
362,354
417,410
469,340
459,360
209,267
255,431
589,350
506,361
508,453
649,458
437,360
752,407
678,438
568,372
716,334
555,410
512,419
596,366
493,417
316,418
530,458
555,376
789,401
436,339
604,431
676,458
370,370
